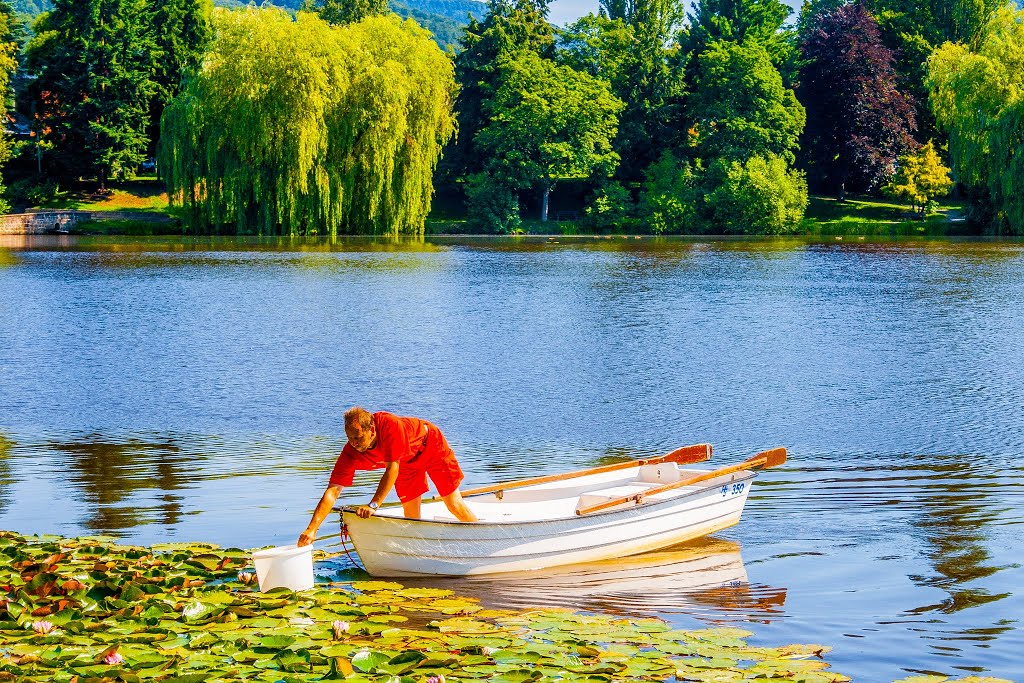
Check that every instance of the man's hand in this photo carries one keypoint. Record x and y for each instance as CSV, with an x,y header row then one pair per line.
x,y
307,537
365,511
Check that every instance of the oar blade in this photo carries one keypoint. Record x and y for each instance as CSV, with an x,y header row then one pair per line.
x,y
773,457
688,455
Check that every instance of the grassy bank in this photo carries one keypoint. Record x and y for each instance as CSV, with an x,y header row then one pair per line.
x,y
142,195
871,217
855,217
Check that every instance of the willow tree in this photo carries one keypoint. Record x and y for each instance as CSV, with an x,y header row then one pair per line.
x,y
300,127
977,95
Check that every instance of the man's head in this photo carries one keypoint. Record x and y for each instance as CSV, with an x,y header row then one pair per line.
x,y
360,429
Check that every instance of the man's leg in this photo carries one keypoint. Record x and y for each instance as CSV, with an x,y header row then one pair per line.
x,y
411,507
458,507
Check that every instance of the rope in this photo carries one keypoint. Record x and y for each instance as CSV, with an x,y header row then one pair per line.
x,y
344,546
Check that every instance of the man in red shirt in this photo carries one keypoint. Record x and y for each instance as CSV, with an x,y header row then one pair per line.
x,y
408,450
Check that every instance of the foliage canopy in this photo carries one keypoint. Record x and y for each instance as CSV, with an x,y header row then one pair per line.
x,y
977,94
297,126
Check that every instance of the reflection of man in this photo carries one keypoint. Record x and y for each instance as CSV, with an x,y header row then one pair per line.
x,y
409,450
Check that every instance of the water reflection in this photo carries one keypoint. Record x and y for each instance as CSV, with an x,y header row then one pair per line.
x,y
108,474
956,515
6,479
705,579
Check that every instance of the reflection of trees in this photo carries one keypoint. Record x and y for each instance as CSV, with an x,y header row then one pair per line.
x,y
955,516
5,471
108,474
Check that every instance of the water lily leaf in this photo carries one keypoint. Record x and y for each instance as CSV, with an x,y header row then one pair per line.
x,y
517,676
425,593
406,661
369,586
186,678
276,642
339,668
799,651
388,619
293,661
516,657
368,661
463,626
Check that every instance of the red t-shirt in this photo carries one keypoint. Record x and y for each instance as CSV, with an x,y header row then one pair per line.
x,y
399,439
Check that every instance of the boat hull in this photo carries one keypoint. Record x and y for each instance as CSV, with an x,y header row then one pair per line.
x,y
392,546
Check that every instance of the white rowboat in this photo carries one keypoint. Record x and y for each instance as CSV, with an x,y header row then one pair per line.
x,y
596,514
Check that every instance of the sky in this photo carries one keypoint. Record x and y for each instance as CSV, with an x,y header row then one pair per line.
x,y
566,11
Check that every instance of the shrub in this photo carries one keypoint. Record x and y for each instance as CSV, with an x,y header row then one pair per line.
x,y
490,206
670,196
762,196
611,207
32,191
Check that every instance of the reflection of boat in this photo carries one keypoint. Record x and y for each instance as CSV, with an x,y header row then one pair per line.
x,y
701,576
605,512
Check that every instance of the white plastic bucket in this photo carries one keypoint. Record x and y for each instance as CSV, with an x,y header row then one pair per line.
x,y
286,566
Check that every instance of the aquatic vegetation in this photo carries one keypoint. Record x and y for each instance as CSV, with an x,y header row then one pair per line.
x,y
88,611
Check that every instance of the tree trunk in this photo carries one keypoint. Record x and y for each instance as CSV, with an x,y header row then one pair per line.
x,y
544,204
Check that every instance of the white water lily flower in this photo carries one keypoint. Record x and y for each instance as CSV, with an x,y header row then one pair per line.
x,y
193,609
339,628
42,626
488,651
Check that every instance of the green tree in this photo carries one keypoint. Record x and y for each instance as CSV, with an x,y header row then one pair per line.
x,y
296,126
740,107
631,46
548,122
977,96
93,65
920,178
509,27
183,31
913,29
346,11
8,65
739,21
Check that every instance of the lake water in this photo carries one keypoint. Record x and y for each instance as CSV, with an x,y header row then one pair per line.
x,y
174,389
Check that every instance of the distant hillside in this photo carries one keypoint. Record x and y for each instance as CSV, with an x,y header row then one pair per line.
x,y
443,18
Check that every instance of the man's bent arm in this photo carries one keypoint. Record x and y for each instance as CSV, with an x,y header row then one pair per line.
x,y
323,508
387,482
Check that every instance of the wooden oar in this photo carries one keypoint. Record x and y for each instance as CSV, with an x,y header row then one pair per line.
x,y
772,458
684,455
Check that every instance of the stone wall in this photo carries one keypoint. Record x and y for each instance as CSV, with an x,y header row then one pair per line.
x,y
49,222
40,222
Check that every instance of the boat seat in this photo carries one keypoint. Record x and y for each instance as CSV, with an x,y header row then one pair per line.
x,y
659,473
604,495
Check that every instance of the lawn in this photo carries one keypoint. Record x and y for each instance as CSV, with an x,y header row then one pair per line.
x,y
143,194
869,216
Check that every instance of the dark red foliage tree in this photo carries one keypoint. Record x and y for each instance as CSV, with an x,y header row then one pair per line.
x,y
858,121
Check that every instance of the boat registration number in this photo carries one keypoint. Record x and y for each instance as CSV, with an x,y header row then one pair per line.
x,y
733,489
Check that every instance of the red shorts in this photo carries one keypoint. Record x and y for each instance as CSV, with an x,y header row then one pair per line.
x,y
438,462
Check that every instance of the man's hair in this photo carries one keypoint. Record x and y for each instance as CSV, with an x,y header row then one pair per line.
x,y
358,418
